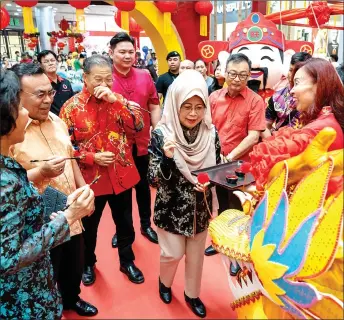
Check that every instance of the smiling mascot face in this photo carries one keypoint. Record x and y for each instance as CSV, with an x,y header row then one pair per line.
x,y
264,45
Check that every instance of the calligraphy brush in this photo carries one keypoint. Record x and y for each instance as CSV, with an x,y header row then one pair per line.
x,y
68,205
72,158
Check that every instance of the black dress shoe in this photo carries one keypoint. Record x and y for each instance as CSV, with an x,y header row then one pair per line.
x,y
134,273
165,293
88,276
83,308
196,305
210,251
150,234
114,241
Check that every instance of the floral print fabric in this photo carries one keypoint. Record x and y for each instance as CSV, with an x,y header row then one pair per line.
x,y
26,274
179,209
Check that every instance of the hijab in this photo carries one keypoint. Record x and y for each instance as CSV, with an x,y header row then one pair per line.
x,y
200,153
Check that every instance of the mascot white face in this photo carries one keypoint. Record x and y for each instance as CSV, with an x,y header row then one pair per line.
x,y
267,64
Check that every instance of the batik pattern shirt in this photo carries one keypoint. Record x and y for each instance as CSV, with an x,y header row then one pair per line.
x,y
99,126
26,275
179,209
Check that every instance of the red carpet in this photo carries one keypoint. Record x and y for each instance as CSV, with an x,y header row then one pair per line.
x,y
117,298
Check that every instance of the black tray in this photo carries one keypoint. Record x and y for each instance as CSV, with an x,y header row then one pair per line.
x,y
217,175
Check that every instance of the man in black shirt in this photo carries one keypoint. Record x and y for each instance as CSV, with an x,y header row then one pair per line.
x,y
166,79
64,91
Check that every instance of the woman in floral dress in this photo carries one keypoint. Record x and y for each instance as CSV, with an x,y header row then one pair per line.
x,y
184,140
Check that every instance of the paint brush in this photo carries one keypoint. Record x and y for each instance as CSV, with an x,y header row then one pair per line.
x,y
72,158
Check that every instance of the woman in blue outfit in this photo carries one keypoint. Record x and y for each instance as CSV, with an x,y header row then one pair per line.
x,y
26,275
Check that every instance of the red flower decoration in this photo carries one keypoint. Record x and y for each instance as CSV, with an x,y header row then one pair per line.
x,y
203,178
245,167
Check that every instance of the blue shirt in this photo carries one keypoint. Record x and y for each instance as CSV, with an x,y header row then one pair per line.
x,y
27,287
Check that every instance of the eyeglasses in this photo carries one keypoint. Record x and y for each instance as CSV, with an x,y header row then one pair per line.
x,y
188,109
42,94
49,61
233,75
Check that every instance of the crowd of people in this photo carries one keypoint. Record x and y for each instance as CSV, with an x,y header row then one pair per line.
x,y
57,141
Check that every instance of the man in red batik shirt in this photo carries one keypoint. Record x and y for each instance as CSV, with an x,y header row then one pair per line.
x,y
136,85
98,121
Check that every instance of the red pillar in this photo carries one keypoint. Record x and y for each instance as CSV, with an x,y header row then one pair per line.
x,y
259,6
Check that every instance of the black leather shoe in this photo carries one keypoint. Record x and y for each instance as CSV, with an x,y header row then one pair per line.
x,y
83,308
165,293
150,234
134,273
196,305
210,251
88,276
114,241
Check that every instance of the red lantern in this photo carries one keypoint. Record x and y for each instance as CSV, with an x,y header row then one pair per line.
x,y
34,39
29,26
167,7
32,45
64,25
80,49
80,15
4,18
204,9
53,41
28,4
79,4
125,7
61,45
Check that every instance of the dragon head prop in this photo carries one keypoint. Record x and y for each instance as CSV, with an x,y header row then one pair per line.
x,y
285,260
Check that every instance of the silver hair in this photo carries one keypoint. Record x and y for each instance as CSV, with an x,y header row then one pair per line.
x,y
96,60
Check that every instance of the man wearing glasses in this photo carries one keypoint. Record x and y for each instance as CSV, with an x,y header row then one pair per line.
x,y
64,91
47,138
239,116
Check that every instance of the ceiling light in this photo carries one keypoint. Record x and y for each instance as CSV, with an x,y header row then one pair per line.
x,y
49,7
17,6
8,4
19,10
54,8
16,14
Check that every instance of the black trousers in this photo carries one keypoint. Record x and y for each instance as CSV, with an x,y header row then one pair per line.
x,y
227,200
67,260
121,209
143,195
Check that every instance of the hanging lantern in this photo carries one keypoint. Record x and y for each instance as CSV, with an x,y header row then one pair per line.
x,y
29,27
80,14
4,18
32,45
167,7
203,8
125,7
64,25
53,41
80,49
61,45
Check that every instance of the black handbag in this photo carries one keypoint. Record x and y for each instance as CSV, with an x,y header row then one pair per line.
x,y
54,200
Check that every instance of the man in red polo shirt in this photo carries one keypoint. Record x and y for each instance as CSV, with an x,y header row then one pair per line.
x,y
239,116
136,85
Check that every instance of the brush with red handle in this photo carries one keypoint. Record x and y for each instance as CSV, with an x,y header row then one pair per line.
x,y
203,178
